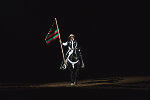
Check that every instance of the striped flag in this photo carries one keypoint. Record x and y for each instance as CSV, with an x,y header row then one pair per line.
x,y
52,34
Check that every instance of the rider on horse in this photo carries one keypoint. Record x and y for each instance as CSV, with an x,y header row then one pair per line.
x,y
72,47
73,59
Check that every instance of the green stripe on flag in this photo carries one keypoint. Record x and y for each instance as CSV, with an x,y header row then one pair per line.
x,y
52,37
51,33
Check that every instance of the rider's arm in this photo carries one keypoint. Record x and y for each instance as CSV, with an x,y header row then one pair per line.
x,y
65,44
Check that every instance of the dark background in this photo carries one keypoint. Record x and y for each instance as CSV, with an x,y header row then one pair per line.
x,y
110,36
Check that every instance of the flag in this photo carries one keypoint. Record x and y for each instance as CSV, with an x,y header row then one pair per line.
x,y
52,34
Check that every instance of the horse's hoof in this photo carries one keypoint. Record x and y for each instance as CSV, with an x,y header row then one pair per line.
x,y
72,84
82,66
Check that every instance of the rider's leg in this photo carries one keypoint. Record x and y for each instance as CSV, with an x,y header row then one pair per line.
x,y
70,52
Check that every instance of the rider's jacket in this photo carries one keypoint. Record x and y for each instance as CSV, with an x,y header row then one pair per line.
x,y
72,44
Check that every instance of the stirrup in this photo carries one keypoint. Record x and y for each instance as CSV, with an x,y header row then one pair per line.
x,y
63,67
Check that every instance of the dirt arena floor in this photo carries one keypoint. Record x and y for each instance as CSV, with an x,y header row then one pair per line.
x,y
114,88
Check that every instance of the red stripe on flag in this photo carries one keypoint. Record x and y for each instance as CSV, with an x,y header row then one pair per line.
x,y
52,39
51,35
50,31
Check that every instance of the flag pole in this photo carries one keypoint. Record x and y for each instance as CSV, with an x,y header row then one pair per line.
x,y
60,43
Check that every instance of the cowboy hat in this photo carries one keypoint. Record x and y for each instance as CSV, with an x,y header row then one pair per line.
x,y
71,35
